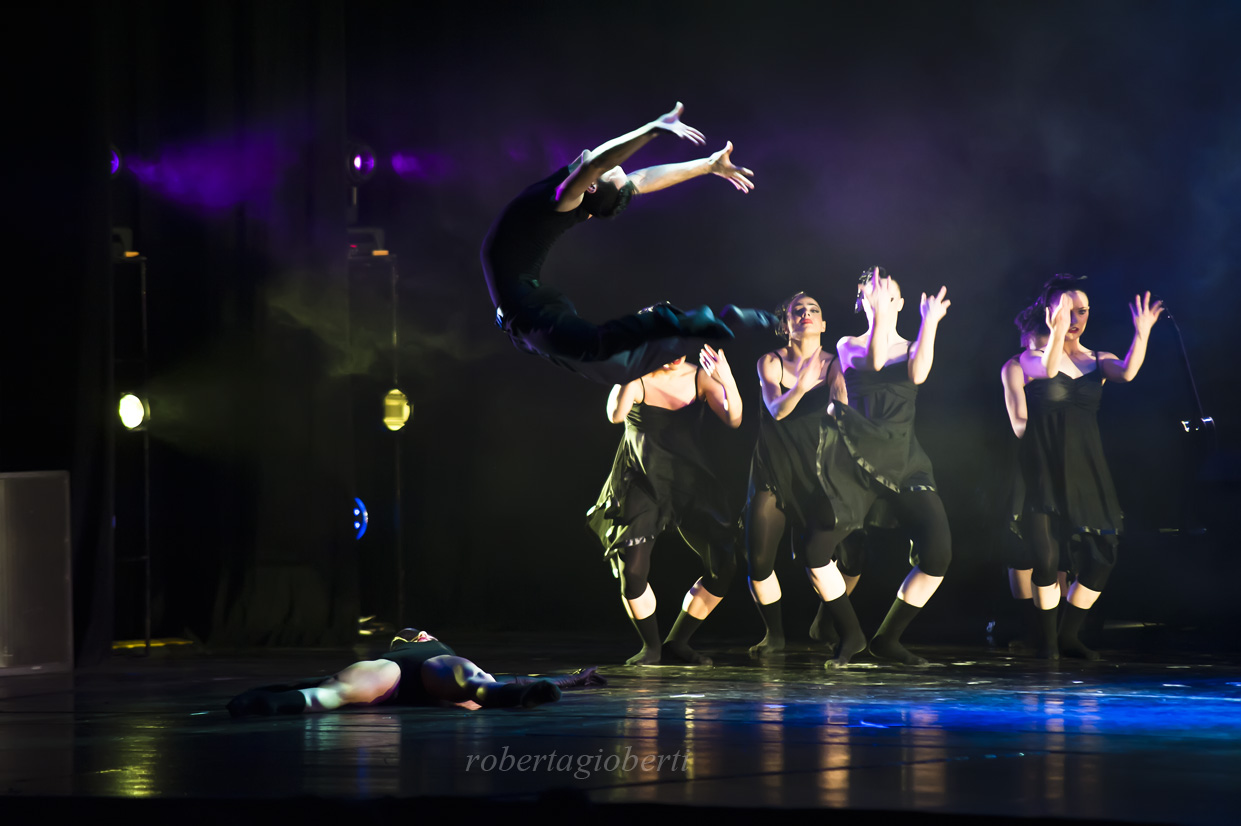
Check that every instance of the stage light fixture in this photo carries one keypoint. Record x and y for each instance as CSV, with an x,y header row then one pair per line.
x,y
134,412
116,160
396,409
359,163
360,518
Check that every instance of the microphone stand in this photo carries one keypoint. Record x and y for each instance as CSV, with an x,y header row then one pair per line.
x,y
1203,440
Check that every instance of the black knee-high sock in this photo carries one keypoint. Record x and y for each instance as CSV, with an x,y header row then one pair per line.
x,y
1029,623
886,644
261,701
823,629
677,643
852,640
1045,644
773,621
1070,624
648,630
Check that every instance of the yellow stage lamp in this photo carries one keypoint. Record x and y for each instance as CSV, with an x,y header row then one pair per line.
x,y
396,409
134,412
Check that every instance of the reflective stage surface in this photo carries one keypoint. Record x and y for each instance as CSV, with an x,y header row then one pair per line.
x,y
1141,739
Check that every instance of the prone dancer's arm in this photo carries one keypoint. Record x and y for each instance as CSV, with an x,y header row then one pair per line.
x,y
617,151
622,399
922,355
655,178
1144,315
1014,381
720,387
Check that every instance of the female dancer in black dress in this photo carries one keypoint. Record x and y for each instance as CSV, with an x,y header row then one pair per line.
x,y
540,319
1019,557
661,478
418,670
870,456
1069,490
798,381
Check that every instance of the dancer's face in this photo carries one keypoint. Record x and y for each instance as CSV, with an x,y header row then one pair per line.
x,y
672,365
1079,313
804,317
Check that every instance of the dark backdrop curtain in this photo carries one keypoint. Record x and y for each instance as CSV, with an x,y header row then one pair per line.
x,y
233,117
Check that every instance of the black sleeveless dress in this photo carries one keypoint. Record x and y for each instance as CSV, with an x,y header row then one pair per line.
x,y
660,474
871,442
1010,487
786,452
1062,462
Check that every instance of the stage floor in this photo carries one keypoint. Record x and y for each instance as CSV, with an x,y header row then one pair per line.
x,y
1133,738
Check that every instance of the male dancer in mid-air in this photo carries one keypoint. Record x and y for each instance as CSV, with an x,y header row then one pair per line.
x,y
540,319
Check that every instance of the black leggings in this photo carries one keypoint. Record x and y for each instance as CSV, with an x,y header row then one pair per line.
x,y
614,352
1093,557
764,526
920,513
714,544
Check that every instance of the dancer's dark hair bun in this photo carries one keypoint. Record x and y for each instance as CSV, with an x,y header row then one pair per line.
x,y
1032,320
869,271
864,279
1061,282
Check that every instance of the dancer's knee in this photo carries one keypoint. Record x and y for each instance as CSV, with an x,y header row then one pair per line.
x,y
1046,564
932,538
760,564
1097,565
635,569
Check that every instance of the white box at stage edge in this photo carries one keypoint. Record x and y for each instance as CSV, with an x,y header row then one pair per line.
x,y
36,585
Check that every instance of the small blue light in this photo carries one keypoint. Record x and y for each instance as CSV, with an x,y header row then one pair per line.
x,y
360,524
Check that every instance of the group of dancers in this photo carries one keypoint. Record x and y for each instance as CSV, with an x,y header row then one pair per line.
x,y
836,450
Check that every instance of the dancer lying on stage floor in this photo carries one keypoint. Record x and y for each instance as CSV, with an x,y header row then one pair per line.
x,y
662,477
1069,490
870,458
419,670
798,381
542,320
